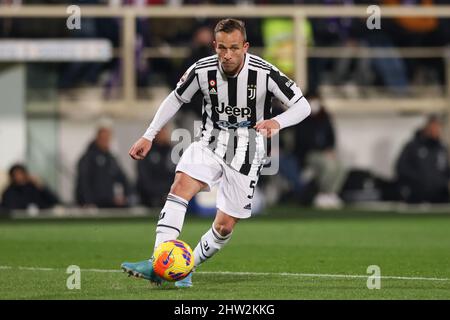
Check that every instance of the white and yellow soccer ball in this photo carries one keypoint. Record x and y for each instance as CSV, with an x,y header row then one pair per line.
x,y
173,260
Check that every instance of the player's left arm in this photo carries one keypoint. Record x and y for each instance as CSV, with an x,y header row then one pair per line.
x,y
291,96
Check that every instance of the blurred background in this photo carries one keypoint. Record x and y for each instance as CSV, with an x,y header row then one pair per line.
x,y
81,80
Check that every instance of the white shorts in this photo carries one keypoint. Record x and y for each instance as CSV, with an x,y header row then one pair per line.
x,y
235,190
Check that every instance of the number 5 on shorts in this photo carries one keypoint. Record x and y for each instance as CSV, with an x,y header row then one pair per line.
x,y
252,186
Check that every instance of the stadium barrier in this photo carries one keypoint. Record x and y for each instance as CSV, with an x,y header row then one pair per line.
x,y
78,213
60,212
298,13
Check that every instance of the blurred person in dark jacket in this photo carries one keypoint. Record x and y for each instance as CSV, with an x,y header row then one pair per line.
x,y
430,31
101,181
26,191
423,170
201,47
83,73
156,171
316,151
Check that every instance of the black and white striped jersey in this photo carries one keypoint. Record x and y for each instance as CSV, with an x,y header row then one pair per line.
x,y
233,105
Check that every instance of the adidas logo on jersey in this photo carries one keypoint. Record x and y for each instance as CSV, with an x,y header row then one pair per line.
x,y
248,207
212,91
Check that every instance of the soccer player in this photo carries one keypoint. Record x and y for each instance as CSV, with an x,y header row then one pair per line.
x,y
237,89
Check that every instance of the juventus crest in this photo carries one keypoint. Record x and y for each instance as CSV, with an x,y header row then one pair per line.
x,y
251,88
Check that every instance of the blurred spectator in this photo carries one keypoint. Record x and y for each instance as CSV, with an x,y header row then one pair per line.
x,y
278,36
143,40
26,191
335,32
423,168
101,181
88,73
155,172
36,27
389,71
202,46
348,33
420,32
316,151
414,25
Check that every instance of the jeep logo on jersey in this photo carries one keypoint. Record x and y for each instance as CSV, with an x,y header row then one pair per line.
x,y
234,111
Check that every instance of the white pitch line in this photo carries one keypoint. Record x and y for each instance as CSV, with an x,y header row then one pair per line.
x,y
36,269
322,275
307,275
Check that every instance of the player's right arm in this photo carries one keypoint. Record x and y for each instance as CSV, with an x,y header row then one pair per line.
x,y
185,90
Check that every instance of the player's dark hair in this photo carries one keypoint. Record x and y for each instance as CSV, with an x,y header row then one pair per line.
x,y
229,25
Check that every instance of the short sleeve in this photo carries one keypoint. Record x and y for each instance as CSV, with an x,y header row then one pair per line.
x,y
188,86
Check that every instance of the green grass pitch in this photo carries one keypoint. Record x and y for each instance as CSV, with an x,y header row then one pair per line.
x,y
308,256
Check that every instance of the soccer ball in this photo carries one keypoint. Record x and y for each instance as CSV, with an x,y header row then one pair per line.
x,y
173,260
